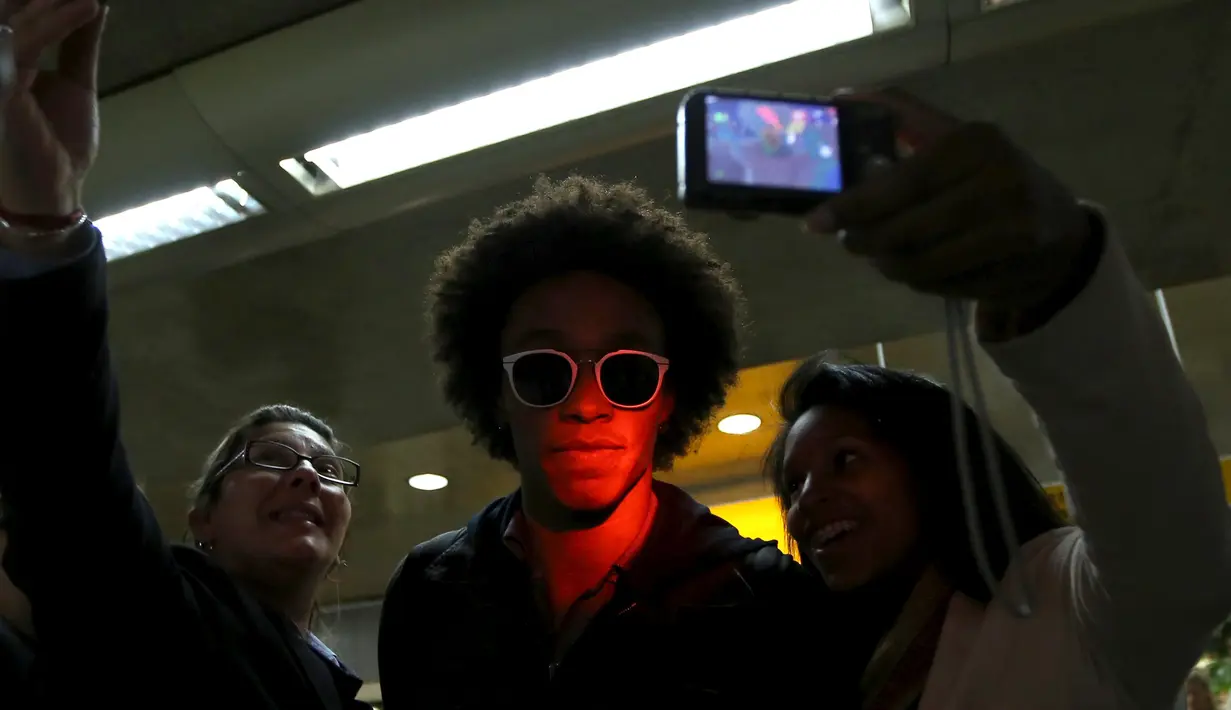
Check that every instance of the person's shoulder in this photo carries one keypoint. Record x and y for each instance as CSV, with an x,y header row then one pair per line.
x,y
410,586
414,566
770,572
200,571
769,561
1053,561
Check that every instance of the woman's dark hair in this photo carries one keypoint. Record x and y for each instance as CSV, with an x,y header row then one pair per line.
x,y
913,415
581,224
204,491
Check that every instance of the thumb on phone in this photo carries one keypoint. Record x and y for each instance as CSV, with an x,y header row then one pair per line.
x,y
919,124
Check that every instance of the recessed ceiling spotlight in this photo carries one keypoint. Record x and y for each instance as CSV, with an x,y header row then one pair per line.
x,y
738,424
428,482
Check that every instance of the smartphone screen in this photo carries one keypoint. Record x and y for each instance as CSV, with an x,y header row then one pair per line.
x,y
753,142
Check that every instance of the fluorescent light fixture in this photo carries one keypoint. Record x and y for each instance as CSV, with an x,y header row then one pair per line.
x,y
773,35
177,217
738,424
889,14
428,482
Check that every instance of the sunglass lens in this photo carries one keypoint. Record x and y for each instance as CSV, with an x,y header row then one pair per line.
x,y
630,379
542,379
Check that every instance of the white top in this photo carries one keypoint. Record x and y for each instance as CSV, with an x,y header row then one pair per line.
x,y
1124,603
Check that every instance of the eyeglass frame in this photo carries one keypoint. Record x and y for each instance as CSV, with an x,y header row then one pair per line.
x,y
597,366
300,458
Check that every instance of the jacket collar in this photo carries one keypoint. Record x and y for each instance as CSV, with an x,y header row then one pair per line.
x,y
684,538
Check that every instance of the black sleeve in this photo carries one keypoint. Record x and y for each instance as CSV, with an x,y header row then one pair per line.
x,y
804,617
404,647
780,580
75,515
16,664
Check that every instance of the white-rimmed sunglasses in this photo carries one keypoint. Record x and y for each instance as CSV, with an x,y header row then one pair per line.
x,y
629,379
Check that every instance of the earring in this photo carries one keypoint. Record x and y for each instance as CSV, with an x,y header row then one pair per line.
x,y
338,563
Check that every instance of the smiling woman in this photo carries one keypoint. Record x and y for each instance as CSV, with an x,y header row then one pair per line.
x,y
267,518
224,624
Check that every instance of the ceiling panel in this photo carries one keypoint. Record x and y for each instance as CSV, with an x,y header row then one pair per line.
x,y
148,38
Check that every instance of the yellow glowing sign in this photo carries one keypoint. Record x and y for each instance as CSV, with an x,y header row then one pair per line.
x,y
758,518
1058,498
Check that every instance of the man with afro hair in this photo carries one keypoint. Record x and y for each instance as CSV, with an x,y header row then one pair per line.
x,y
587,336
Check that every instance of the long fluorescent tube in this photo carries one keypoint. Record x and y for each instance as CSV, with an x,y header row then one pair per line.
x,y
177,217
706,54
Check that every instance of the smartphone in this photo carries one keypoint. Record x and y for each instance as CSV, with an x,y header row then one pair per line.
x,y
751,153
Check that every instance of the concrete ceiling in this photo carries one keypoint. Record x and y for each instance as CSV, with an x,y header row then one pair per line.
x,y
149,38
1132,114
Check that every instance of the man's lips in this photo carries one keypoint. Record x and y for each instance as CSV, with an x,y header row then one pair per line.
x,y
587,446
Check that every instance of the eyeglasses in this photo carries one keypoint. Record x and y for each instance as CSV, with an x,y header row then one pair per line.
x,y
544,378
280,457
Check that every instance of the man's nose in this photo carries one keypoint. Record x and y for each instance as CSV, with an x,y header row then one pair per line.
x,y
586,403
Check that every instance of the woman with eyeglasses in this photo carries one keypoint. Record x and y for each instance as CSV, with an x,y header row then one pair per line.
x,y
121,615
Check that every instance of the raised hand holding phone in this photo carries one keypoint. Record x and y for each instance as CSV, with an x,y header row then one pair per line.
x,y
50,117
967,216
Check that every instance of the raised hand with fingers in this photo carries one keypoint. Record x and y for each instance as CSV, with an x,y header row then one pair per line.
x,y
967,216
50,117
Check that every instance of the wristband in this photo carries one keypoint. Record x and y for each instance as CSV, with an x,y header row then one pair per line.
x,y
39,226
42,223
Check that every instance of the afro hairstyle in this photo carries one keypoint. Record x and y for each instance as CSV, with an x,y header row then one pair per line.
x,y
583,224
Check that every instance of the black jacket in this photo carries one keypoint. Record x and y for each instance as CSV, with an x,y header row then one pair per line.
x,y
123,617
702,618
16,668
